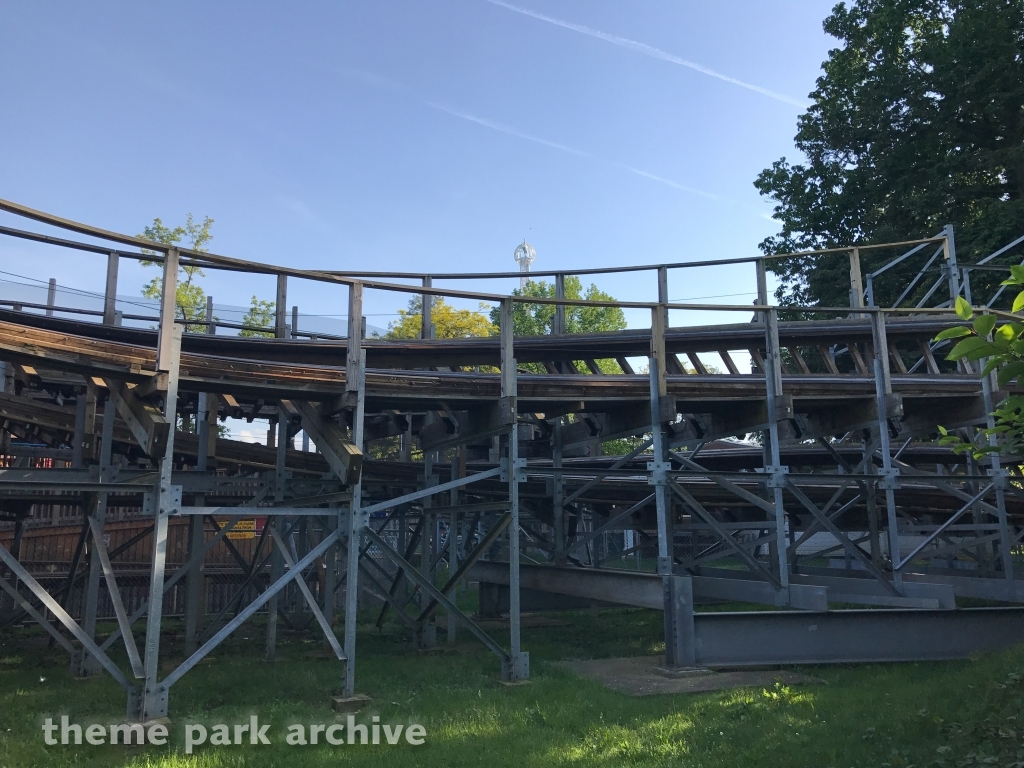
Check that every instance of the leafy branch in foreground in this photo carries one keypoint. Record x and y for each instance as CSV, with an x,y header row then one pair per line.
x,y
1002,347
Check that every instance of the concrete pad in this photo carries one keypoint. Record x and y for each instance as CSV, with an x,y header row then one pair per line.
x,y
641,676
349,703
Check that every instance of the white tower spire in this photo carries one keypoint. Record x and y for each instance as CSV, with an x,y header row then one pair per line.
x,y
524,256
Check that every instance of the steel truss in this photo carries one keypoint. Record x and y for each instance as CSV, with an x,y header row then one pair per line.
x,y
519,519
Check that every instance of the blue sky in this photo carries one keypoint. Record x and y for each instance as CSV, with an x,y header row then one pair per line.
x,y
407,135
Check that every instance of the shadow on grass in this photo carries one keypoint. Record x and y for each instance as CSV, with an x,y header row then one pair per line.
x,y
867,715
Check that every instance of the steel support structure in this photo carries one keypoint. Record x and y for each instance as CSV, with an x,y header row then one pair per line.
x,y
827,464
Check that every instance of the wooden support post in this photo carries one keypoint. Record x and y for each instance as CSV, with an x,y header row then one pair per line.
x,y
353,358
762,286
78,440
663,299
426,324
168,311
281,308
952,270
856,281
110,292
558,321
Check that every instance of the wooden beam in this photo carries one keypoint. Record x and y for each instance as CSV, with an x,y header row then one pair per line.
x,y
147,423
343,456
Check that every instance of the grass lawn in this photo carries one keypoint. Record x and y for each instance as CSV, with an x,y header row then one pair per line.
x,y
946,714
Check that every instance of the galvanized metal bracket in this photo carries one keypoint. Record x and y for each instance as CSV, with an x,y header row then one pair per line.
x,y
362,519
149,501
777,475
889,479
658,472
520,470
1000,479
665,566
153,702
516,667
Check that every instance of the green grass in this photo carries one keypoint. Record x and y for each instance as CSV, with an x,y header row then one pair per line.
x,y
947,714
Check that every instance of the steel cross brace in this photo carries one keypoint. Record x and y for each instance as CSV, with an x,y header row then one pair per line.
x,y
123,622
309,558
617,465
811,529
618,518
414,575
744,494
385,595
500,524
724,534
62,616
942,485
178,575
814,526
66,592
431,491
290,558
843,539
410,548
28,608
938,532
713,552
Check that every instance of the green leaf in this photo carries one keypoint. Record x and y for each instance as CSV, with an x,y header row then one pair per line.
x,y
1018,303
971,346
1010,372
1016,274
1006,332
963,309
953,333
983,324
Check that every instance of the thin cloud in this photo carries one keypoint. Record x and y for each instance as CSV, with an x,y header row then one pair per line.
x,y
655,53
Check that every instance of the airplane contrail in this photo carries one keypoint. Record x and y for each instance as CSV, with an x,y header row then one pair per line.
x,y
502,128
509,130
649,50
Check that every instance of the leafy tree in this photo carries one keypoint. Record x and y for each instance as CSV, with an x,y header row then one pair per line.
x,y
537,319
449,322
190,299
916,122
1002,346
260,315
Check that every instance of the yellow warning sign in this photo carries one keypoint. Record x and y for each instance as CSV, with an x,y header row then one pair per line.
x,y
243,529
